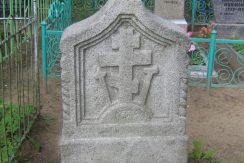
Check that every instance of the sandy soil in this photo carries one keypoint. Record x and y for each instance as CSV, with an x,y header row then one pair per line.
x,y
47,130
215,119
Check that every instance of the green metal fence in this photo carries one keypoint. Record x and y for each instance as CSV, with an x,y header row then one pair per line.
x,y
43,7
84,8
59,18
199,12
217,62
19,74
209,64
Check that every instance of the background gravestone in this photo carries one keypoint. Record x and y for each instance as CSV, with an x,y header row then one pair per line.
x,y
172,10
124,87
229,17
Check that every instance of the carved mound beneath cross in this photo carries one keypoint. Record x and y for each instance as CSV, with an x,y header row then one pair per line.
x,y
126,113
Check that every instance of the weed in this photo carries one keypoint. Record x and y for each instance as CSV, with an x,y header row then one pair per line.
x,y
239,48
200,155
14,121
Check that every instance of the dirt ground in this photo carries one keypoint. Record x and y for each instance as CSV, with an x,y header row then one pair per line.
x,y
215,119
47,130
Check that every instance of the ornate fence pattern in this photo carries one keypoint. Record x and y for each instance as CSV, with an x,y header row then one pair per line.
x,y
229,64
43,7
199,12
84,8
217,62
59,17
210,65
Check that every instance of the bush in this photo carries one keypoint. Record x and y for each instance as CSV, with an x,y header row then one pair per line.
x,y
239,48
13,121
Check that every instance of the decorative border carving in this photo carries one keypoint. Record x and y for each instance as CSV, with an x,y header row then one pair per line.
x,y
107,32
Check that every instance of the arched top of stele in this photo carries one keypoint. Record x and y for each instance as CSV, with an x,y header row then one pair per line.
x,y
109,16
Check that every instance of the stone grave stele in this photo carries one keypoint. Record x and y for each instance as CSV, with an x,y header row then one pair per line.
x,y
229,16
172,10
124,87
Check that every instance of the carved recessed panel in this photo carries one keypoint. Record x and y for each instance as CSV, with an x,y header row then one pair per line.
x,y
121,79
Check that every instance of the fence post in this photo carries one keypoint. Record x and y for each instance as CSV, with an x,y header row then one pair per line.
x,y
35,28
193,13
12,27
211,57
44,52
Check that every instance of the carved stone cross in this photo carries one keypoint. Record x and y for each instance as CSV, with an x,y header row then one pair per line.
x,y
125,43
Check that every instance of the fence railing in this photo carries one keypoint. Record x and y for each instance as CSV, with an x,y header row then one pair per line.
x,y
199,12
19,74
59,18
209,64
43,7
217,62
84,8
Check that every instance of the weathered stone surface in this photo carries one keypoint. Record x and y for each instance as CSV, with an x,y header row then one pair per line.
x,y
229,11
124,87
168,149
230,30
229,18
170,9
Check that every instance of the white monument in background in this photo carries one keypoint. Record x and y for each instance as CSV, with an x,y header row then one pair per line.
x,y
172,10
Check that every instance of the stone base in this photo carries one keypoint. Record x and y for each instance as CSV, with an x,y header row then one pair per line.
x,y
165,149
230,30
180,22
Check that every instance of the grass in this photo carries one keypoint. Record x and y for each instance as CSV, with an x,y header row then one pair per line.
x,y
239,48
200,155
14,121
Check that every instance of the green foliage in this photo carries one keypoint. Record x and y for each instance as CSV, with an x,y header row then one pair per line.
x,y
81,9
200,6
84,8
196,57
13,122
199,154
239,48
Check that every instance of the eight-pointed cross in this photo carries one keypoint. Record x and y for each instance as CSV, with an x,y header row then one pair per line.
x,y
125,42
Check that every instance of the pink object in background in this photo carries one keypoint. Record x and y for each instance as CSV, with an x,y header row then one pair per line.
x,y
192,48
189,34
